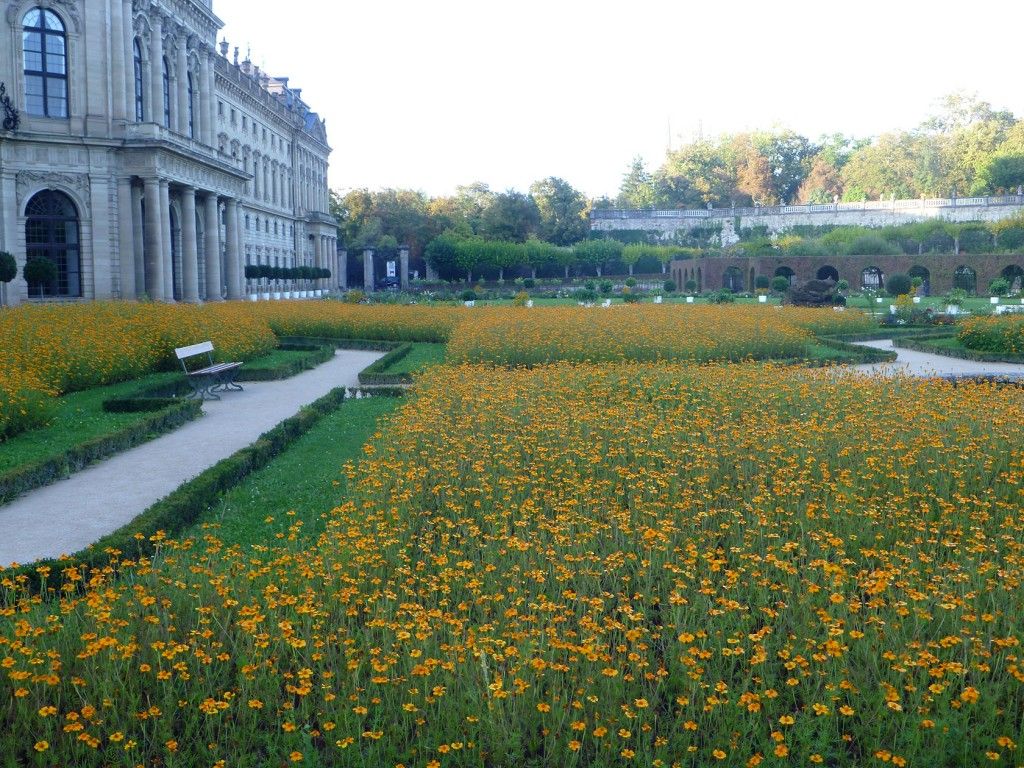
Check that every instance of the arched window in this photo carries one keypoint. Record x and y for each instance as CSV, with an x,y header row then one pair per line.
x,y
46,60
51,232
167,94
139,90
191,108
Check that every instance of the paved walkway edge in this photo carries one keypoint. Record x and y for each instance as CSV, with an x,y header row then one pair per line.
x,y
73,513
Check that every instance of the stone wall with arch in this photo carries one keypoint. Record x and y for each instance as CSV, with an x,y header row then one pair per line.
x,y
712,273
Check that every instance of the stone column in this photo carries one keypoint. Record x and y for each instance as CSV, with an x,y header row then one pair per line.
x,y
232,261
211,98
140,252
156,70
240,228
403,267
117,64
368,270
168,251
211,224
343,269
256,177
154,241
189,247
182,82
126,238
265,183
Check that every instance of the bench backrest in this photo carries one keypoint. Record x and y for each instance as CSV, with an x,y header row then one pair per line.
x,y
195,349
184,353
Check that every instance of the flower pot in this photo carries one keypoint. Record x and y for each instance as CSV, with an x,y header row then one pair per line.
x,y
689,299
277,295
254,297
302,294
917,299
265,296
470,303
762,299
952,309
993,300
287,294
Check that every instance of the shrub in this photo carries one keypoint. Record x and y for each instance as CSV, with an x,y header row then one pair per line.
x,y
898,284
780,284
8,267
354,297
606,287
40,272
762,282
723,297
631,282
669,286
956,297
843,285
587,295
468,295
520,299
999,287
590,285
872,245
529,282
691,285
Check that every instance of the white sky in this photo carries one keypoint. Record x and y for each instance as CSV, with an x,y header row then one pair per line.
x,y
431,94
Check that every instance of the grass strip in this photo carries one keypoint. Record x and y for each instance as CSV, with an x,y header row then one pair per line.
x,y
301,483
184,507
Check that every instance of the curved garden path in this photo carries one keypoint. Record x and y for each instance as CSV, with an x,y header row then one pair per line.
x,y
923,364
67,516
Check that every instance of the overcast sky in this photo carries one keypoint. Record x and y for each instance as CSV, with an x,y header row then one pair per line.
x,y
429,95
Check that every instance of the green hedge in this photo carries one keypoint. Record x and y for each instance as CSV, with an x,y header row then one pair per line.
x,y
860,355
373,375
357,345
167,416
317,355
920,344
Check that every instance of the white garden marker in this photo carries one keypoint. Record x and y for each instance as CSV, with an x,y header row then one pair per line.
x,y
762,299
689,299
657,299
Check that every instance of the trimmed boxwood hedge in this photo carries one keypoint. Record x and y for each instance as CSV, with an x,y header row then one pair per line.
x,y
373,375
920,344
167,415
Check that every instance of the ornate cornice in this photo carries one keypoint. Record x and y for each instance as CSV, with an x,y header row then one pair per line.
x,y
61,182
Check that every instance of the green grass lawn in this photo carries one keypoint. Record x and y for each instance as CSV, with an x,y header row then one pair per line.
x,y
77,418
951,345
423,354
306,479
276,359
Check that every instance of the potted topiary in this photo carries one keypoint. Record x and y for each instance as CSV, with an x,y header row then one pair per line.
x,y
8,271
327,276
998,288
264,274
289,276
955,300
251,275
39,271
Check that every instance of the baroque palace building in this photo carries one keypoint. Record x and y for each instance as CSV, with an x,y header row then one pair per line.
x,y
143,162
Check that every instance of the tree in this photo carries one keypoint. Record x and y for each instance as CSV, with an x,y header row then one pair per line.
x,y
562,211
597,253
510,216
442,254
637,189
8,271
39,271
1002,173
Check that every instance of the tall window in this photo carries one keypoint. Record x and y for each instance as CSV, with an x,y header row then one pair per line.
x,y
139,90
51,232
191,108
46,59
167,94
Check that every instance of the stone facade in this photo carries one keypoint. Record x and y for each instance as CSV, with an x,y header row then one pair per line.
x,y
148,163
941,273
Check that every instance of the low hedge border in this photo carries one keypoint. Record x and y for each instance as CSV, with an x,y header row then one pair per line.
x,y
357,345
921,344
182,508
855,354
378,391
374,374
167,416
318,354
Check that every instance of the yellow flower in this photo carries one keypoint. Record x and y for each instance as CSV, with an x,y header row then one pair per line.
x,y
295,757
781,750
41,746
718,754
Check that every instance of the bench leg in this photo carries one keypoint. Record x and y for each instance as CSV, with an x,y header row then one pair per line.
x,y
202,388
226,381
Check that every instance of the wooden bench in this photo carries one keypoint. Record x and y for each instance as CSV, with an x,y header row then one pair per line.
x,y
211,378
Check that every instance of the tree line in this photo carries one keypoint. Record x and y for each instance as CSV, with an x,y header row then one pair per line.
x,y
967,148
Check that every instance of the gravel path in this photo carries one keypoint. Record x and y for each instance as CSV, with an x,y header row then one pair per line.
x,y
923,364
67,516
